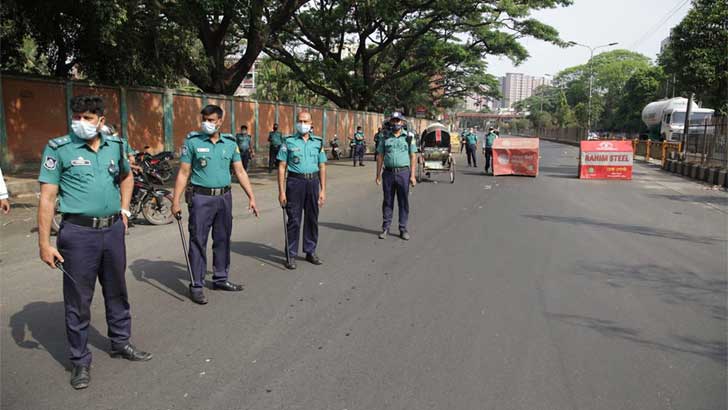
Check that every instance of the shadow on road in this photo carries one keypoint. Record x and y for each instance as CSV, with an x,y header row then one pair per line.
x,y
41,326
715,199
260,252
168,277
673,286
348,228
636,229
711,349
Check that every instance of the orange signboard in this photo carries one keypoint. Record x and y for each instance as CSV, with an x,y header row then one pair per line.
x,y
515,156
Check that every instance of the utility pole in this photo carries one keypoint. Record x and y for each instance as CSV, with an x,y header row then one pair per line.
x,y
686,127
591,75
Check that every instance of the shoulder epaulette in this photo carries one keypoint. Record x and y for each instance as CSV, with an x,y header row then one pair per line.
x,y
60,141
113,138
317,137
193,134
228,136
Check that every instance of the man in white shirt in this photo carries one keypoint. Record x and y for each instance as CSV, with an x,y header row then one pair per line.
x,y
4,203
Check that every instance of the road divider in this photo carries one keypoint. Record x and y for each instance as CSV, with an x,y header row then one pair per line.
x,y
516,156
606,160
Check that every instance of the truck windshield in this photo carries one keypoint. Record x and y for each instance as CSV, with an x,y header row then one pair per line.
x,y
678,118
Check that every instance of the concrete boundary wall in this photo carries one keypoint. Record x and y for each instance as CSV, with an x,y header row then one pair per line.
x,y
36,109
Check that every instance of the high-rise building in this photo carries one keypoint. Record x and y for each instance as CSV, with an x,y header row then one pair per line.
x,y
518,86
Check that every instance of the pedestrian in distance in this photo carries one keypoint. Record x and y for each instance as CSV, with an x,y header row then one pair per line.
x,y
89,172
245,145
275,139
207,156
471,141
359,146
378,137
396,162
302,188
488,149
4,202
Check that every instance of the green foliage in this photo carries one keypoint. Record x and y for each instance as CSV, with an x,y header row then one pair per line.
x,y
276,82
563,116
698,53
383,53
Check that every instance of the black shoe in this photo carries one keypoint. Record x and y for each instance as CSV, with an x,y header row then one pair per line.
x,y
290,265
197,295
131,353
361,164
80,377
404,235
228,286
311,257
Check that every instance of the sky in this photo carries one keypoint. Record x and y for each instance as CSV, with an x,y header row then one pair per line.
x,y
637,25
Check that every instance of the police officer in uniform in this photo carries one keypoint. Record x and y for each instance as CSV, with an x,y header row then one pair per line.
x,y
488,149
377,138
304,190
207,156
90,173
359,146
275,139
244,141
471,141
397,154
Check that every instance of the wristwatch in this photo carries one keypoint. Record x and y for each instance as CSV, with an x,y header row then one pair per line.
x,y
126,212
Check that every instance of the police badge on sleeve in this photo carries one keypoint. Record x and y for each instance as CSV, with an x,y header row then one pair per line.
x,y
50,163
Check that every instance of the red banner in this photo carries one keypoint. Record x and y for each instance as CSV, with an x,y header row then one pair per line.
x,y
515,156
606,160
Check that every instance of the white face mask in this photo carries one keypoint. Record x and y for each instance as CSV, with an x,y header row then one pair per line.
x,y
208,127
84,129
303,128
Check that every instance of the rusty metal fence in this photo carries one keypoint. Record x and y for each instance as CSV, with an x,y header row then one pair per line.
x,y
707,143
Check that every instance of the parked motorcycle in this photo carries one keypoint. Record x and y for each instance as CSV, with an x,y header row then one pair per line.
x,y
156,166
154,204
335,150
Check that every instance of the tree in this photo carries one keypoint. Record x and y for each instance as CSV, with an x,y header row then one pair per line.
x,y
698,53
368,55
563,116
641,88
276,82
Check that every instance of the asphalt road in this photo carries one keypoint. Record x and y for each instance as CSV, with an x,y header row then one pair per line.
x,y
514,293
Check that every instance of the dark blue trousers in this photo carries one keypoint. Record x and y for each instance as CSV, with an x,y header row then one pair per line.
x,y
488,158
395,184
207,212
358,153
88,254
470,151
245,156
302,196
272,157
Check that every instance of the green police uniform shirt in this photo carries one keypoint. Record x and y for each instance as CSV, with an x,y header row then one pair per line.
x,y
275,138
302,157
489,139
243,141
210,161
358,138
471,138
396,150
87,180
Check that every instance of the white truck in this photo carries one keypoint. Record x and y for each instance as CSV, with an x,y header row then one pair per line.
x,y
666,118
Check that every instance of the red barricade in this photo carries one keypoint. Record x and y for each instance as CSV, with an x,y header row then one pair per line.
x,y
515,156
606,160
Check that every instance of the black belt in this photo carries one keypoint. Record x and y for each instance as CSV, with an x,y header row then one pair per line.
x,y
397,169
210,191
313,175
90,221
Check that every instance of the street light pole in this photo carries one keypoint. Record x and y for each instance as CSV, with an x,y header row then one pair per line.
x,y
591,75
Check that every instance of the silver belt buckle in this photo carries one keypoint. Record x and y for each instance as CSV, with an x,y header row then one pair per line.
x,y
217,191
